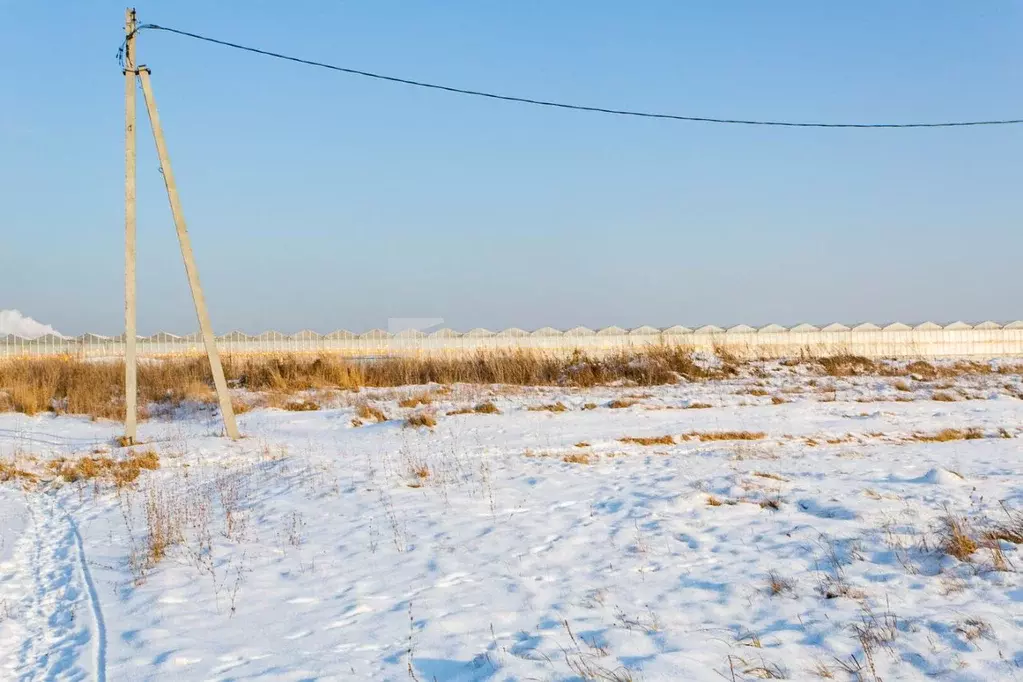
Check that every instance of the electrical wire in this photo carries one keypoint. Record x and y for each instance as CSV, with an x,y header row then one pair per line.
x,y
564,105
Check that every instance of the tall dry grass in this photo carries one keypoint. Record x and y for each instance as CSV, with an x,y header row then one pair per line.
x,y
67,385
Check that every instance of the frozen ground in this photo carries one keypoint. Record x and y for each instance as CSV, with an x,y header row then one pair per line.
x,y
313,549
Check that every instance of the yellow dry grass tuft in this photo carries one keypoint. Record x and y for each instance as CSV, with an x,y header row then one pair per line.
x,y
726,435
416,400
304,405
946,435
656,440
120,472
553,407
10,471
955,538
621,404
577,458
766,474
698,406
367,412
419,420
944,397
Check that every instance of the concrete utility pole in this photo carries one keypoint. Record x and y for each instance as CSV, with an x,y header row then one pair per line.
x,y
186,252
130,363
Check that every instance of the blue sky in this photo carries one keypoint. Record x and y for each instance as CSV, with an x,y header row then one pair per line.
x,y
318,200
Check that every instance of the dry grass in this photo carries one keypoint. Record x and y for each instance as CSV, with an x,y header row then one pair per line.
x,y
621,404
765,474
946,435
902,385
778,585
304,405
553,407
639,440
845,365
726,435
955,537
481,408
778,400
422,419
10,471
973,629
76,386
486,408
590,406
698,406
120,472
416,400
367,412
1009,530
577,458
944,397
582,444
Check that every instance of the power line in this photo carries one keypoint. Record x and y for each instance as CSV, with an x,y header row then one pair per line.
x,y
564,105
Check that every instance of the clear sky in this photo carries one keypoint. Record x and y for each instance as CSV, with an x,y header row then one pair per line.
x,y
319,200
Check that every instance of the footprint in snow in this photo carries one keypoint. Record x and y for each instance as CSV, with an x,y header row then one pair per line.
x,y
834,511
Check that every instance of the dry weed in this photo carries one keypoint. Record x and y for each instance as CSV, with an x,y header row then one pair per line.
x,y
726,435
422,419
956,538
656,440
120,472
621,404
416,400
778,585
304,405
946,435
553,407
368,412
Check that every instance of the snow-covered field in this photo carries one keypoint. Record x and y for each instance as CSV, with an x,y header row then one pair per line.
x,y
530,544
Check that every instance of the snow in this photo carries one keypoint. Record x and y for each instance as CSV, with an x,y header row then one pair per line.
x,y
313,550
13,322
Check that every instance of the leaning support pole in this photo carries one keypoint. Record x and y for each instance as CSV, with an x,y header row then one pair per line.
x,y
186,252
130,363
